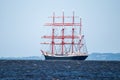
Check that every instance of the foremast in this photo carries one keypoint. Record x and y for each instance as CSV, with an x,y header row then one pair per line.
x,y
63,36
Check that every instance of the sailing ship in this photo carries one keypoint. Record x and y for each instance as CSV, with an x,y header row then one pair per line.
x,y
66,41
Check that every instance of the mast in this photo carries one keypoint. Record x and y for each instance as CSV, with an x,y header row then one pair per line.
x,y
80,26
73,34
62,51
53,34
62,41
53,42
72,40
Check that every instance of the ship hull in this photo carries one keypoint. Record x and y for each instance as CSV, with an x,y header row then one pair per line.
x,y
65,58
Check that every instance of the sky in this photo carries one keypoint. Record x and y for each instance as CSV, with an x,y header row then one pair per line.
x,y
22,24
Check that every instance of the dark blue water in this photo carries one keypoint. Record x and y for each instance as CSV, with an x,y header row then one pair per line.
x,y
59,70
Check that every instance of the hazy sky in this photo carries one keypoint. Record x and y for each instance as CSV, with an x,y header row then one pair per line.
x,y
21,24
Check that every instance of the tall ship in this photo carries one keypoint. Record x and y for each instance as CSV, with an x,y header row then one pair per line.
x,y
65,40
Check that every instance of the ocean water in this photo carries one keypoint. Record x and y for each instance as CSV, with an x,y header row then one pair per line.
x,y
59,70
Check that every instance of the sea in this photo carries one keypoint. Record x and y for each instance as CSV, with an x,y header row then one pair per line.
x,y
59,70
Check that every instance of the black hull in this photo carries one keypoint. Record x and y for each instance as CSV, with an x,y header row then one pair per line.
x,y
65,58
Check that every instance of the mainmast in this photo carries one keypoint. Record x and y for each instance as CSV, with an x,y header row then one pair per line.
x,y
52,42
72,36
62,51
